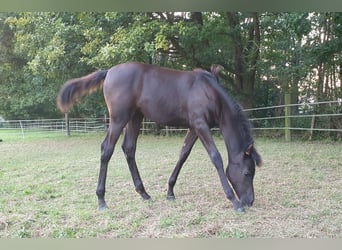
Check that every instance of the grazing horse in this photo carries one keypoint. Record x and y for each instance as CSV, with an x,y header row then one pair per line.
x,y
192,99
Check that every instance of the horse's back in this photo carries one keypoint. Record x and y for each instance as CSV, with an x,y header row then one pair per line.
x,y
166,96
145,81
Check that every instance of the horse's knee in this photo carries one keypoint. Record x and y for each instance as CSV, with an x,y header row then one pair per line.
x,y
106,152
100,192
172,181
216,158
129,150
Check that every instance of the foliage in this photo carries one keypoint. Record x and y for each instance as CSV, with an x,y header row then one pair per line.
x,y
263,54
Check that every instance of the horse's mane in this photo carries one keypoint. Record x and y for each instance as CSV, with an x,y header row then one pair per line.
x,y
238,115
243,124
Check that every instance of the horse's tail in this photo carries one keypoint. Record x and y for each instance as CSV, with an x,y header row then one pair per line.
x,y
73,89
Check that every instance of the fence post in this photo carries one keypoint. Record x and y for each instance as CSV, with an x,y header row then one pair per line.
x,y
22,129
287,116
67,123
105,122
313,118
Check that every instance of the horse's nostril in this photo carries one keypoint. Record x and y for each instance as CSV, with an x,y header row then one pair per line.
x,y
247,202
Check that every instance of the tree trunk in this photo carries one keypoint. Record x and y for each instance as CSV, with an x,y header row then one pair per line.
x,y
196,17
320,82
246,54
340,76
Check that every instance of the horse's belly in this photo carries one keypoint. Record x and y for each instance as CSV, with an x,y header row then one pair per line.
x,y
164,116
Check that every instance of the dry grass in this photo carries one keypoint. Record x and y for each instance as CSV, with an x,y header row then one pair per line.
x,y
48,190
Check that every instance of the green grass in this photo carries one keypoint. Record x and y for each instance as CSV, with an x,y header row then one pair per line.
x,y
14,135
48,190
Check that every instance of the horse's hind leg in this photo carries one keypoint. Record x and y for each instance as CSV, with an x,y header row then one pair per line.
x,y
129,148
107,149
189,142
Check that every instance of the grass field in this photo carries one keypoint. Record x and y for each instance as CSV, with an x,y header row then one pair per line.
x,y
47,189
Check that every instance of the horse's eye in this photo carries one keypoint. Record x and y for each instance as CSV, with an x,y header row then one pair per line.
x,y
246,172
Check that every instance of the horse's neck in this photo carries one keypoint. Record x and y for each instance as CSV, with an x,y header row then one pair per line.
x,y
231,135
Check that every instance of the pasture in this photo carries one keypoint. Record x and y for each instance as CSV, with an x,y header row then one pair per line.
x,y
47,189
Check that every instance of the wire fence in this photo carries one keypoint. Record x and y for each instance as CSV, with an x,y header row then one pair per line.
x,y
21,128
320,119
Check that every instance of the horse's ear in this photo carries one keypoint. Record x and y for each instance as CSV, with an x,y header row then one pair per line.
x,y
216,69
251,151
248,150
257,158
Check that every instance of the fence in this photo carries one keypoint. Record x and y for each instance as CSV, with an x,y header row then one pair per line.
x,y
24,127
306,119
323,118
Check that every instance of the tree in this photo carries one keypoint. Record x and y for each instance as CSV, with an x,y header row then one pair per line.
x,y
263,54
49,45
244,31
10,69
327,64
327,53
283,59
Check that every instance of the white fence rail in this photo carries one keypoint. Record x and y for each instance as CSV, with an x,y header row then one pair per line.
x,y
318,116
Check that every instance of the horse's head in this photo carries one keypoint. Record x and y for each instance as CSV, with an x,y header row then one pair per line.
x,y
240,173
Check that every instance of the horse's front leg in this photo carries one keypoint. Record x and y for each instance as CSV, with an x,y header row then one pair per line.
x,y
205,136
189,142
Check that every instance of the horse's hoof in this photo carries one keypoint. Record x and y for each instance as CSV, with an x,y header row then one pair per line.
x,y
146,197
240,210
143,194
170,197
103,207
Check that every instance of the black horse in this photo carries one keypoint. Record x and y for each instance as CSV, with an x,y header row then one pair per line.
x,y
192,99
